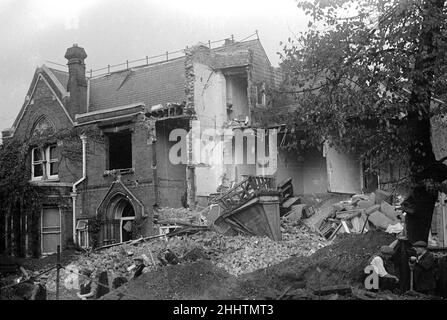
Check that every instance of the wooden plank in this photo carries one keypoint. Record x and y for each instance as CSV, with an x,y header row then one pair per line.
x,y
340,289
345,227
290,202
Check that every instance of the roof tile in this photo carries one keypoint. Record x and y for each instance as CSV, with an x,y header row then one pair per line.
x,y
159,83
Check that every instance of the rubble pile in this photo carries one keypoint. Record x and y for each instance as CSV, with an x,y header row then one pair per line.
x,y
236,254
167,215
241,254
361,213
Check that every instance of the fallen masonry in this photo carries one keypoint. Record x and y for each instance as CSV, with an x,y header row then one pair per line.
x,y
236,254
306,263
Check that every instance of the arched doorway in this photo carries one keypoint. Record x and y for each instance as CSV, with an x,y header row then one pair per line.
x,y
119,220
125,213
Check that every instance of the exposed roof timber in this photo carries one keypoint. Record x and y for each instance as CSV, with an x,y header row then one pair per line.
x,y
171,111
125,117
109,110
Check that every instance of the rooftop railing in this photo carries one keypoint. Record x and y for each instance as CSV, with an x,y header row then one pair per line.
x,y
167,56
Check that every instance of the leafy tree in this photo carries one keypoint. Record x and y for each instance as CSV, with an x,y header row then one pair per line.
x,y
369,76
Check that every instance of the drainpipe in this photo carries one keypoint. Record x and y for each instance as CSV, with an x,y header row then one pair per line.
x,y
84,173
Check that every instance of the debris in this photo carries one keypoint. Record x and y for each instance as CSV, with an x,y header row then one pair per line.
x,y
325,210
381,195
340,289
195,254
285,189
388,210
365,204
380,220
361,211
259,216
288,204
213,214
395,228
371,209
296,213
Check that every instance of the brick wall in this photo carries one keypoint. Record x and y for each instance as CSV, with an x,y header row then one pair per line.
x,y
140,183
45,104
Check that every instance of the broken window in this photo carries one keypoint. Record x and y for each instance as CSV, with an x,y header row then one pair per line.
x,y
236,97
260,94
120,151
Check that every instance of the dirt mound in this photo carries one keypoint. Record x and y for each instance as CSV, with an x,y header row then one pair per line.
x,y
337,264
198,280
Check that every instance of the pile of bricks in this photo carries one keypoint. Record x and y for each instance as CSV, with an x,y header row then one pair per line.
x,y
236,254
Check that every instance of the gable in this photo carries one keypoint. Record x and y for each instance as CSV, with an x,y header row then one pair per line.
x,y
43,99
117,188
237,54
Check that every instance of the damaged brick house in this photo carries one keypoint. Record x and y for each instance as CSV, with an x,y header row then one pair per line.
x,y
124,120
126,123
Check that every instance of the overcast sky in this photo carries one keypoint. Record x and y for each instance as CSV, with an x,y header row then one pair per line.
x,y
112,31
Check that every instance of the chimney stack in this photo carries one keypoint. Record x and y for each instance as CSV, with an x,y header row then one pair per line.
x,y
77,83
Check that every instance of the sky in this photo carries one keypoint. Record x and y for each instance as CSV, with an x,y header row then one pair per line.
x,y
33,32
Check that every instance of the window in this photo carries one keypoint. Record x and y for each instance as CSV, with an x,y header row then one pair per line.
x,y
37,159
82,232
260,94
43,126
52,162
45,163
120,151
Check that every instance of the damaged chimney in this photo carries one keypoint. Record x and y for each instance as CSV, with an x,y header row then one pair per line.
x,y
77,83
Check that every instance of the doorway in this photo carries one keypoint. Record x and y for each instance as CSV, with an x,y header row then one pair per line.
x,y
51,230
125,213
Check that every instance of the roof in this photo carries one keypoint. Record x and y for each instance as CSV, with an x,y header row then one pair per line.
x,y
159,83
62,76
53,79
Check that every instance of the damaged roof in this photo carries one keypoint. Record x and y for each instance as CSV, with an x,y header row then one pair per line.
x,y
159,83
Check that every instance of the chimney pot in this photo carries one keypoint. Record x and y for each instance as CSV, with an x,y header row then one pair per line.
x,y
75,54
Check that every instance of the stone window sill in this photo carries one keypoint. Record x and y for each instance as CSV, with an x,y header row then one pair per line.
x,y
116,172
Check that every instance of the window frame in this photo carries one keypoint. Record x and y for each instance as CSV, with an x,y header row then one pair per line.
x,y
45,162
43,232
50,161
260,90
82,233
112,135
40,162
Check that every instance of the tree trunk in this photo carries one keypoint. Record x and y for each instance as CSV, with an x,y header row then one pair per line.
x,y
423,165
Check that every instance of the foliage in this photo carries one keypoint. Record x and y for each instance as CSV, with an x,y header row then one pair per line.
x,y
22,199
363,76
19,198
94,227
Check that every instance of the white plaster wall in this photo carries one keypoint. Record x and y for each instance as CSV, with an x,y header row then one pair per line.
x,y
344,172
210,106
